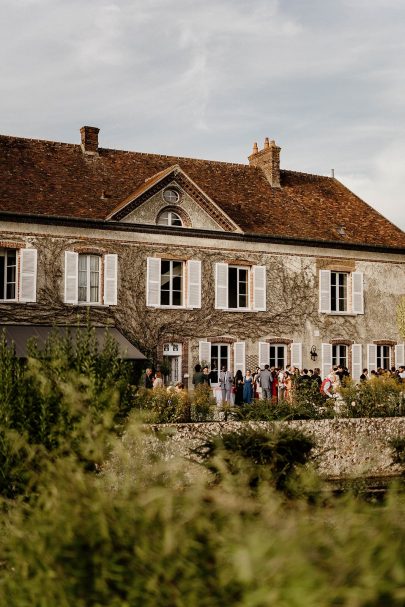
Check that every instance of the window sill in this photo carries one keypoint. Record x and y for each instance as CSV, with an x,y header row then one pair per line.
x,y
240,310
342,313
159,307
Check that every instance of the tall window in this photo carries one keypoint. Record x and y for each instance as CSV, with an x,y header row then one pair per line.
x,y
338,283
171,283
278,356
383,357
339,355
220,356
89,278
8,273
238,287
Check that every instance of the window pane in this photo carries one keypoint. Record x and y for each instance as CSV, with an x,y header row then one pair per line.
x,y
176,298
10,292
163,219
175,220
232,287
2,288
165,298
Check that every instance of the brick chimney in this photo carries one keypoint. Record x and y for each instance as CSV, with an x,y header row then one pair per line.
x,y
89,139
267,159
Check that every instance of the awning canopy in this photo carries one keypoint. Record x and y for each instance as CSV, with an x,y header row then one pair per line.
x,y
19,334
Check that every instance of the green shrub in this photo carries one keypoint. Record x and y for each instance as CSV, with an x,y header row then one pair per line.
x,y
377,397
301,408
161,406
65,399
160,538
263,456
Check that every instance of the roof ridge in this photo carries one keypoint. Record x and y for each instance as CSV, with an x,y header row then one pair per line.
x,y
35,140
308,174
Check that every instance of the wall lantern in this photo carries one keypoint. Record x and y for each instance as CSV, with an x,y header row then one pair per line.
x,y
313,353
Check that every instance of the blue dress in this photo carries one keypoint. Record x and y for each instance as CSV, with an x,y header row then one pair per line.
x,y
248,390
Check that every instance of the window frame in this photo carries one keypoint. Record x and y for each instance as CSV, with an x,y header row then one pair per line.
x,y
170,290
337,358
4,252
170,213
335,297
380,357
238,269
88,286
171,189
273,361
219,356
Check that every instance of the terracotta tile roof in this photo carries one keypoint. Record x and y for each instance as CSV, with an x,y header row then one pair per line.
x,y
49,178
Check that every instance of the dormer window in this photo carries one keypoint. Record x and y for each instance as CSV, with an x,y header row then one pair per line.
x,y
169,218
171,196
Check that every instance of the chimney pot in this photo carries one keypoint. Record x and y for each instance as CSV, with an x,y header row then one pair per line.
x,y
255,148
89,139
266,143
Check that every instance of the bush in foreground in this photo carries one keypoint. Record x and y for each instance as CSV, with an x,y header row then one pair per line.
x,y
157,538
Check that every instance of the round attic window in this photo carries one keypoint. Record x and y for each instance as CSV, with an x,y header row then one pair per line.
x,y
171,195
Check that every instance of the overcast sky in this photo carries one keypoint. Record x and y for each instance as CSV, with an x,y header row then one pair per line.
x,y
324,78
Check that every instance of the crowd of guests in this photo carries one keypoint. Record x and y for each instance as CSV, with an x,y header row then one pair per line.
x,y
270,383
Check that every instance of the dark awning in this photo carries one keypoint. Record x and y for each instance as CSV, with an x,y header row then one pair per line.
x,y
19,334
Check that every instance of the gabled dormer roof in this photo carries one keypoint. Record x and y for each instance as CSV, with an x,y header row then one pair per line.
x,y
158,182
59,179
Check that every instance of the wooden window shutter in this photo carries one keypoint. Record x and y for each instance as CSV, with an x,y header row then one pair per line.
x,y
239,356
71,277
110,279
194,284
259,288
264,354
221,286
153,281
324,291
371,357
296,355
399,355
28,275
326,351
357,293
357,361
204,352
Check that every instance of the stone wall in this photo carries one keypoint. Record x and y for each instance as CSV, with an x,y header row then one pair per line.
x,y
345,448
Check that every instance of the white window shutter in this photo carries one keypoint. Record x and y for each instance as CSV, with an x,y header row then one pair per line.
x,y
259,288
153,281
399,355
357,293
28,275
371,357
110,279
264,354
71,277
357,361
194,284
204,352
326,351
239,356
324,291
296,355
221,286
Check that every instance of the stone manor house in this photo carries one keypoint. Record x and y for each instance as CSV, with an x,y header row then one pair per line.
x,y
195,260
